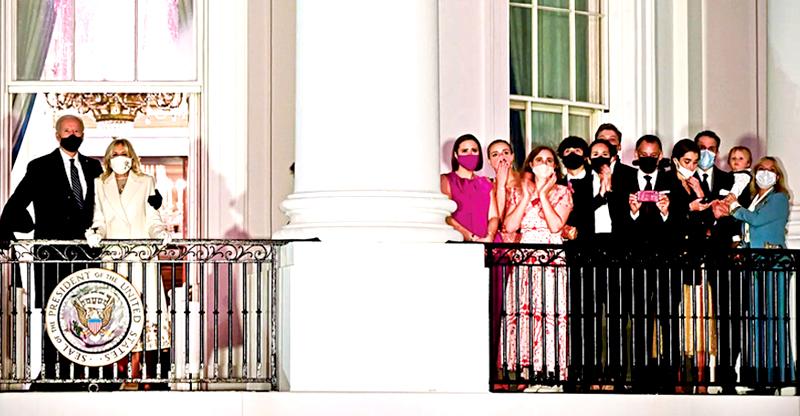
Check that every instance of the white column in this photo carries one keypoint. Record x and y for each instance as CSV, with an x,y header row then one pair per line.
x,y
367,123
380,304
783,98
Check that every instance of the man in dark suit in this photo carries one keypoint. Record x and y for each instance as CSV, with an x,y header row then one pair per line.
x,y
719,235
648,232
61,187
716,184
621,176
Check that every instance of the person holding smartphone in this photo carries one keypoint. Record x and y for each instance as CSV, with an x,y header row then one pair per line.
x,y
649,229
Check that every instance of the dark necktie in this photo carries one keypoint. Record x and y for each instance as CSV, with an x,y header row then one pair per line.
x,y
77,190
649,185
704,185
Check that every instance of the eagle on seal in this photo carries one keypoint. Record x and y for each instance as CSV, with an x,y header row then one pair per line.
x,y
93,319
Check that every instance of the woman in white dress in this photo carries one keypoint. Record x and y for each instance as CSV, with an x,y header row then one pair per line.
x,y
122,211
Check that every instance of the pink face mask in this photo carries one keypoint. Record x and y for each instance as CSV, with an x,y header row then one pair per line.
x,y
469,162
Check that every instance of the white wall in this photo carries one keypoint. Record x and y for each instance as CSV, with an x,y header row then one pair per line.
x,y
631,77
709,72
473,73
249,133
783,92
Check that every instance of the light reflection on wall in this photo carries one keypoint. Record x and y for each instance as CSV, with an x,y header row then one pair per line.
x,y
170,176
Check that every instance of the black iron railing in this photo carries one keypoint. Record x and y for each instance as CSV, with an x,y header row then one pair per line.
x,y
600,318
196,314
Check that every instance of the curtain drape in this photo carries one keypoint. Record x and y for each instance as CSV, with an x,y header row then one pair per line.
x,y
520,50
35,22
553,50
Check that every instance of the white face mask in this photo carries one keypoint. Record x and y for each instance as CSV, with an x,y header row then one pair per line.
x,y
686,173
766,179
120,164
543,171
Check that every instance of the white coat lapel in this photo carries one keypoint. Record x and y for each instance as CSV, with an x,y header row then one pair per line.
x,y
128,195
113,196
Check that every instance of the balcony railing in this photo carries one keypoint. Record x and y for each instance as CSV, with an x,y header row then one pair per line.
x,y
587,318
196,314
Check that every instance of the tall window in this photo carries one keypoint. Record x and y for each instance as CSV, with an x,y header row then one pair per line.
x,y
557,55
128,68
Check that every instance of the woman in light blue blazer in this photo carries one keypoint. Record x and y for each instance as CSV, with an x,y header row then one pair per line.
x,y
768,214
765,227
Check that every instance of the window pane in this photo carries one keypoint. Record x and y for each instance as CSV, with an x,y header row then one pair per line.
x,y
579,126
587,59
104,40
591,6
44,40
166,40
553,54
555,3
521,1
517,137
171,175
520,50
546,129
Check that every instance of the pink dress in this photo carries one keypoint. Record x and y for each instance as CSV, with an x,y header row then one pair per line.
x,y
524,297
472,197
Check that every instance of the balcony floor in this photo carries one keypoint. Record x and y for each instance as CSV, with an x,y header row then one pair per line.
x,y
251,403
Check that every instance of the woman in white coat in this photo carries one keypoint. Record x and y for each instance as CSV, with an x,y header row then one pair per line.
x,y
121,211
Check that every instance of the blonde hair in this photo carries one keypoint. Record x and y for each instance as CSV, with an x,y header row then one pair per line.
x,y
780,183
135,165
742,149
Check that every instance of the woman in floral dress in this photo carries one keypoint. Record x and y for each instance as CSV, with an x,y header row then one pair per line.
x,y
536,310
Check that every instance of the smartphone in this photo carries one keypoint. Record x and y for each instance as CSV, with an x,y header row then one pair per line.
x,y
648,196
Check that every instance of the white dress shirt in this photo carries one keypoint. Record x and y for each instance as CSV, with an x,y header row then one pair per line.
x,y
642,184
602,217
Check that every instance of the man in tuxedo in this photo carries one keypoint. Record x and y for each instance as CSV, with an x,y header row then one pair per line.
x,y
648,232
621,176
719,235
61,187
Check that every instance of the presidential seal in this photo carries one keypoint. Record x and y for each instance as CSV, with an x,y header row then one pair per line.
x,y
94,317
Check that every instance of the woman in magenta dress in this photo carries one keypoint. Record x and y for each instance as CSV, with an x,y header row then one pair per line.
x,y
476,215
541,214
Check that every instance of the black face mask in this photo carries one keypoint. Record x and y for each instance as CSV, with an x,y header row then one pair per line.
x,y
648,164
572,161
599,162
71,143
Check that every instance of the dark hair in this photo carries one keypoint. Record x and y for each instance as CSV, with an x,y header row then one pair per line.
x,y
650,138
572,142
608,126
454,160
683,147
536,151
707,133
612,150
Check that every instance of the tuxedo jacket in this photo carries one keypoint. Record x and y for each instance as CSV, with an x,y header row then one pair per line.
x,y
718,232
649,228
57,213
623,179
127,214
581,217
585,203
